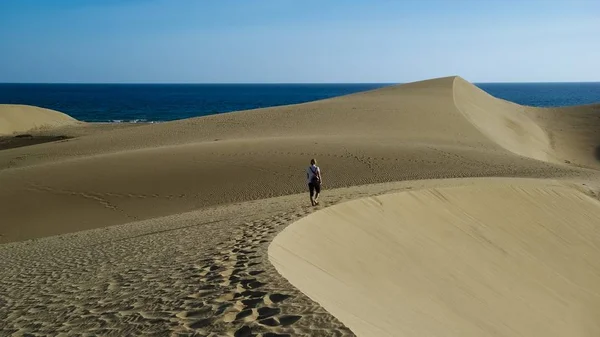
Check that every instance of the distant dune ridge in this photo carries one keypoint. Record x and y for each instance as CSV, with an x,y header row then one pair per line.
x,y
23,118
569,134
414,141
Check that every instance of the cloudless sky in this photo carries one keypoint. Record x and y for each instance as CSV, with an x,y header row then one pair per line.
x,y
230,41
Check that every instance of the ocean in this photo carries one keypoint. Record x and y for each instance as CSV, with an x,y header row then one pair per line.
x,y
165,102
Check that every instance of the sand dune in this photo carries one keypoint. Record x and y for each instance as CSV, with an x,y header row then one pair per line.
x,y
505,123
24,118
574,133
238,175
563,135
412,131
509,258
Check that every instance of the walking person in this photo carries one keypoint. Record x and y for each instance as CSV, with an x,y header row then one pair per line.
x,y
313,175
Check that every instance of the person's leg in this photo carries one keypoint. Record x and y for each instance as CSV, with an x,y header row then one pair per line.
x,y
311,189
318,191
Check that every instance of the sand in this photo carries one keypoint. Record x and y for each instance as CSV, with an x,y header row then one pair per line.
x,y
165,228
501,258
16,119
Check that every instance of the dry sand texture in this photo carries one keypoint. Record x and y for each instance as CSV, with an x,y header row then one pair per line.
x,y
510,258
190,253
23,118
413,131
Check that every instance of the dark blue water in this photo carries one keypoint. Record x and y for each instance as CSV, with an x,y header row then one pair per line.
x,y
163,102
545,94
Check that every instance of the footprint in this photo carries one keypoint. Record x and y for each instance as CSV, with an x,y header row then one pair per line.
x,y
193,314
276,298
251,303
201,323
244,331
272,322
244,313
252,294
213,278
255,285
289,319
266,312
222,308
246,281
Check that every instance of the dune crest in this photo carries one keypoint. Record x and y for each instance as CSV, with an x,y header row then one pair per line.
x,y
453,261
504,122
24,118
560,135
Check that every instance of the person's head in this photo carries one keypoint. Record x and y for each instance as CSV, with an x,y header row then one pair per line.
x,y
313,161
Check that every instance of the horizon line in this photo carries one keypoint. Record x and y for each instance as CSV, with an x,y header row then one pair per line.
x,y
280,83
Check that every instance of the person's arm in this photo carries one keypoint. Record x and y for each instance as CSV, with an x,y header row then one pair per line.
x,y
320,176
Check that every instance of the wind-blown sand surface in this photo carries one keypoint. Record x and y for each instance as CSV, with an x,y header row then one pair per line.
x,y
21,118
507,258
193,206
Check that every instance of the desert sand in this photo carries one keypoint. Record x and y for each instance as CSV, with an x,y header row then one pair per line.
x,y
446,212
22,118
503,258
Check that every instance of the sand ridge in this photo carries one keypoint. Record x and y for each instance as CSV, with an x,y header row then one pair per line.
x,y
505,123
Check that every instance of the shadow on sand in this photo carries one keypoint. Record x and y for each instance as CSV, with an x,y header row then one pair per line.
x,y
11,142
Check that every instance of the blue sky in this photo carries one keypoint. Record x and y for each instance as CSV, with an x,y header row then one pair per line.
x,y
230,41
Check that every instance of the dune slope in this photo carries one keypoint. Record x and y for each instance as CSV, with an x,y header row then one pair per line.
x,y
508,258
24,118
561,135
503,122
574,133
429,129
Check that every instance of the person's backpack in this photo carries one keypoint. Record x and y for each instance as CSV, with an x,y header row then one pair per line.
x,y
315,178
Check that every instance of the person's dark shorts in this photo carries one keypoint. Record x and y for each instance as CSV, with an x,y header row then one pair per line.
x,y
314,188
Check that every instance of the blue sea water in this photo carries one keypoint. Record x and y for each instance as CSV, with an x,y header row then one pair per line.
x,y
545,94
164,102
